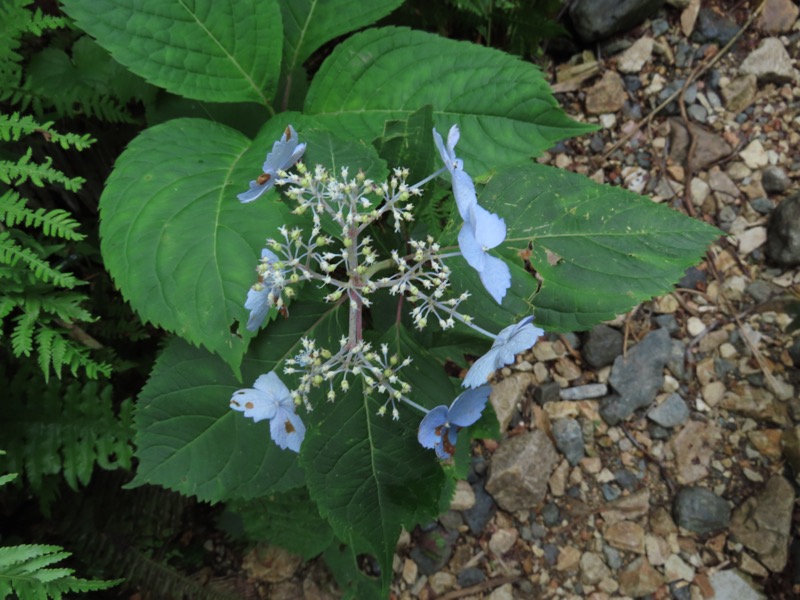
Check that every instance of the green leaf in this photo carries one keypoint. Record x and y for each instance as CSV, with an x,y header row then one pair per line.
x,y
290,520
189,439
600,250
368,474
308,24
407,143
355,583
200,49
503,106
179,245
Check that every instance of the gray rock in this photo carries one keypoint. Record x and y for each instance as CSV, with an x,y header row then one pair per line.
x,y
732,584
668,322
433,549
783,233
775,180
761,291
713,27
709,147
671,412
483,510
778,16
569,439
763,523
584,392
607,95
697,113
637,377
762,206
700,510
770,62
739,93
602,346
613,558
551,516
520,469
597,19
470,576
547,392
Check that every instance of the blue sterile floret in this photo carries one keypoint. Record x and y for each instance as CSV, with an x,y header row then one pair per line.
x,y
509,342
482,230
285,153
439,429
270,399
264,294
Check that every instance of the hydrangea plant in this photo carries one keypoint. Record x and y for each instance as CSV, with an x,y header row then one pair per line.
x,y
363,256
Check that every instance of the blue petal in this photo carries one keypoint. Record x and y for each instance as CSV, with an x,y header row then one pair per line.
x,y
447,445
467,408
255,404
287,430
496,277
255,190
470,248
488,228
464,192
283,152
430,433
481,369
258,303
272,384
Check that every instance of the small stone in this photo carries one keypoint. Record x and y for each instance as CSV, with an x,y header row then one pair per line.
x,y
697,113
766,441
753,238
769,63
783,233
603,344
711,26
713,392
507,393
504,592
464,497
730,584
634,58
693,448
597,19
695,326
625,535
657,549
607,95
410,571
441,582
503,540
675,569
739,93
777,16
470,576
763,523
547,393
584,392
593,568
665,305
520,469
750,565
639,579
670,413
569,439
775,180
701,510
628,507
754,155
568,559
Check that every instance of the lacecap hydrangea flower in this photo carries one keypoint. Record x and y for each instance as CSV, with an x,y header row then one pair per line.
x,y
285,153
439,429
509,342
269,398
481,230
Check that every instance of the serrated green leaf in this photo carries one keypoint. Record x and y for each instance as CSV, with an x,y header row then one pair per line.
x,y
308,24
342,560
179,245
200,49
189,439
600,250
289,519
407,143
504,106
368,474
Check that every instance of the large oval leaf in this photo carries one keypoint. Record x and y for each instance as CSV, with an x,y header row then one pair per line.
x,y
200,49
600,250
503,105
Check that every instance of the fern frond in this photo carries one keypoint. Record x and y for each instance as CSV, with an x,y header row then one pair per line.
x,y
22,335
23,170
28,572
12,253
15,126
55,223
62,428
16,20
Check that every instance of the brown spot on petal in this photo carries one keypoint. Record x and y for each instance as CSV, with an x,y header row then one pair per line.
x,y
234,403
289,427
263,178
248,405
287,133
